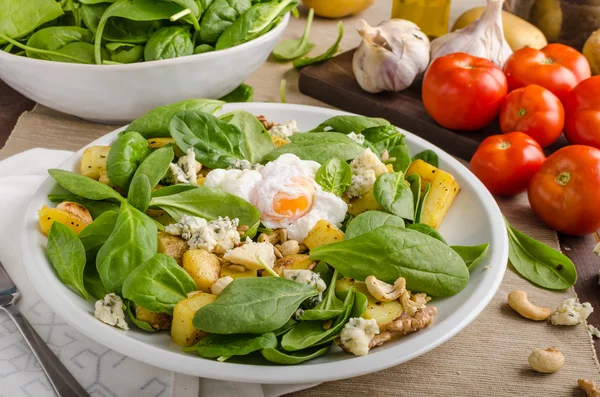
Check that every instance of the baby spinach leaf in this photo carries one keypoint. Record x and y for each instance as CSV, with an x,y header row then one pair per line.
x,y
324,271
427,230
91,15
302,62
158,284
96,208
257,140
124,157
138,323
243,93
285,327
390,252
93,284
18,18
214,346
334,175
155,123
471,255
203,48
401,157
67,256
216,143
415,188
289,50
125,53
253,305
83,186
329,307
219,16
173,189
360,305
348,124
371,220
132,243
55,38
77,52
169,42
428,156
319,147
384,137
291,358
539,263
394,196
96,233
147,176
419,211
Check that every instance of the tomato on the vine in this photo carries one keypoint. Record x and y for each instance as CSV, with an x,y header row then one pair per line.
x,y
564,193
535,111
463,92
506,163
582,113
556,67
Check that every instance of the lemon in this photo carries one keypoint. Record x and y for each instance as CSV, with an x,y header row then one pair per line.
x,y
337,8
591,50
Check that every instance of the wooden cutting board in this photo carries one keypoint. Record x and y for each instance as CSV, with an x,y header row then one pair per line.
x,y
333,82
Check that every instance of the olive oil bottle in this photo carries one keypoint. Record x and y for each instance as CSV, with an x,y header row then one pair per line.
x,y
432,16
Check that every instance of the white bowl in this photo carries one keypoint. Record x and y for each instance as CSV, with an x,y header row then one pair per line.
x,y
121,93
473,219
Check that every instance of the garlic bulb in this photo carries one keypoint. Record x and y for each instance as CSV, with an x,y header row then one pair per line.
x,y
390,56
483,38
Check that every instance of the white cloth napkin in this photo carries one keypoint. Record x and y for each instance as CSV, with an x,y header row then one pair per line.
x,y
101,371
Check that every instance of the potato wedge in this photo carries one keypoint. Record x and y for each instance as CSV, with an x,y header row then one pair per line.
x,y
47,216
183,331
362,204
93,161
174,246
233,272
203,267
156,320
293,262
323,233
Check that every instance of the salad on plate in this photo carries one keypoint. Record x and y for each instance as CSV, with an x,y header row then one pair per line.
x,y
244,237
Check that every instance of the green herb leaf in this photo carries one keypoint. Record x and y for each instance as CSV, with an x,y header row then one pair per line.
x,y
147,176
257,140
289,50
334,176
428,156
83,186
214,346
125,156
302,62
394,196
348,124
371,220
292,358
243,93
319,147
67,256
471,255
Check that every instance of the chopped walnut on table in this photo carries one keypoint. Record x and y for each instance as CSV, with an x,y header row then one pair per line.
x,y
266,123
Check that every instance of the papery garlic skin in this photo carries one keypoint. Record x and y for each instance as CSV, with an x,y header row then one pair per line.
x,y
483,38
390,56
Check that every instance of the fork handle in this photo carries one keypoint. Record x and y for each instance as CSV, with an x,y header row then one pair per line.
x,y
63,383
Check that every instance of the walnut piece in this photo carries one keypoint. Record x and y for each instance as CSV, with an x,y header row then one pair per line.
x,y
406,324
413,302
380,339
266,123
590,387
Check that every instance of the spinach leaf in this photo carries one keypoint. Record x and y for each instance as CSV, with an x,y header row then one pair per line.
x,y
83,186
158,284
219,16
253,305
77,52
384,137
291,358
125,53
96,208
67,256
155,123
401,155
428,156
91,15
539,263
55,38
243,93
132,242
324,271
173,189
334,175
169,42
147,176
348,124
415,188
92,283
124,157
18,18
96,233
289,50
427,230
302,62
394,196
203,48
319,147
419,211
285,328
214,346
138,323
371,220
471,255
217,144
258,142
329,307
390,252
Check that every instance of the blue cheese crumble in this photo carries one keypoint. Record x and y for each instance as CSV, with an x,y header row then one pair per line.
x,y
357,335
358,138
110,311
307,277
219,235
284,131
571,312
365,170
184,171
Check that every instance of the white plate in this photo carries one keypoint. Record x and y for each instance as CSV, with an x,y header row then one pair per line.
x,y
473,219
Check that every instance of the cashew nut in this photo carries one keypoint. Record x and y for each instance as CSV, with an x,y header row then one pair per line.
x,y
220,285
383,291
76,209
273,238
518,301
290,247
590,387
546,361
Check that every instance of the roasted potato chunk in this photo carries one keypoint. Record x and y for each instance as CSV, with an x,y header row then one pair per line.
x,y
47,216
278,142
156,320
233,271
183,331
93,161
362,204
203,267
323,233
157,143
174,246
293,262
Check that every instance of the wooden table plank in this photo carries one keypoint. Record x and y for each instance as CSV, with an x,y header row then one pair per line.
x,y
12,105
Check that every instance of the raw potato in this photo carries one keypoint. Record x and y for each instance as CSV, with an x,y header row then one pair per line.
x,y
47,216
444,190
203,267
93,161
591,51
382,312
518,32
232,271
156,320
293,262
174,246
323,233
183,331
547,15
362,204
161,217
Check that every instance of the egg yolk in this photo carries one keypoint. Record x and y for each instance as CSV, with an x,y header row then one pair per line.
x,y
297,204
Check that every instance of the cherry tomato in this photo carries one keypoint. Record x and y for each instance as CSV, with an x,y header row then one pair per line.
x,y
582,113
564,193
556,67
535,111
463,92
505,163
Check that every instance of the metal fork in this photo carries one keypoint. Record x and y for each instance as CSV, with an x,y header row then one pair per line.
x,y
64,384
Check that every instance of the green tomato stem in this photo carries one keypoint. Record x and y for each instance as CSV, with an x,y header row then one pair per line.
x,y
180,14
282,90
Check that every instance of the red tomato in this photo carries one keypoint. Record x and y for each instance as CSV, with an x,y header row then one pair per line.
x,y
582,113
463,92
535,111
506,163
565,192
556,67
